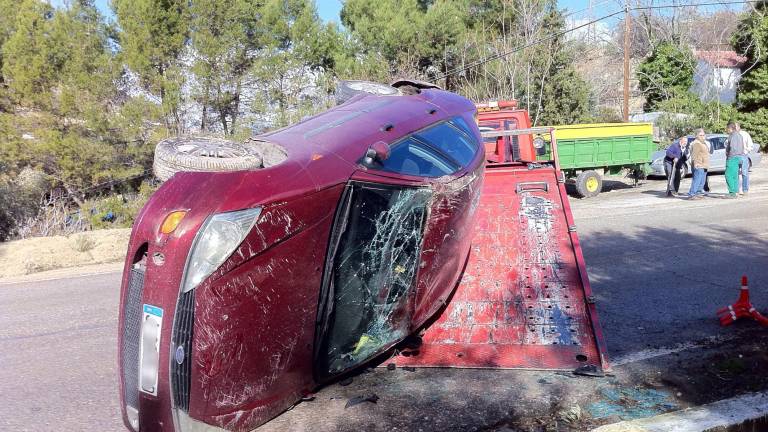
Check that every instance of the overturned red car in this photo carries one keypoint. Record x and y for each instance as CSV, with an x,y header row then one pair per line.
x,y
244,291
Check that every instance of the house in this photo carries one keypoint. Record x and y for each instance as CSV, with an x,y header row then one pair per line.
x,y
716,75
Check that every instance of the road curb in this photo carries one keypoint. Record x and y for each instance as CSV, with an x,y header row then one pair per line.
x,y
725,413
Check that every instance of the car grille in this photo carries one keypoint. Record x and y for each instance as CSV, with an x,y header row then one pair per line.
x,y
181,372
131,336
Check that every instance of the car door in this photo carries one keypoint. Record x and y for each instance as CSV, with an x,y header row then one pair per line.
x,y
390,231
717,154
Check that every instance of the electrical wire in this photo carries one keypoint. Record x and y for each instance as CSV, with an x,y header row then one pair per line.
x,y
570,30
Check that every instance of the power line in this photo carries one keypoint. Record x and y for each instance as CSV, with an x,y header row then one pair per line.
x,y
564,32
528,45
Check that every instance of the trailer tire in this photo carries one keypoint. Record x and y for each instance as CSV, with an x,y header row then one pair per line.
x,y
203,154
589,184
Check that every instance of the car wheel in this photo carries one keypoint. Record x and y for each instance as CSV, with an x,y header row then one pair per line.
x,y
588,184
345,90
203,154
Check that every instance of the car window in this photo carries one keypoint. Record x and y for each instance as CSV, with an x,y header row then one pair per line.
x,y
373,273
718,143
452,141
413,157
489,127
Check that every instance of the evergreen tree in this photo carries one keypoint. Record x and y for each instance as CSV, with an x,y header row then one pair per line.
x,y
226,38
751,40
666,73
561,96
152,40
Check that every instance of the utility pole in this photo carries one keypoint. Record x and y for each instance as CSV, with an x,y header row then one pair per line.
x,y
627,32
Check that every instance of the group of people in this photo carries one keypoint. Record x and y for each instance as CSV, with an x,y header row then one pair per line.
x,y
737,148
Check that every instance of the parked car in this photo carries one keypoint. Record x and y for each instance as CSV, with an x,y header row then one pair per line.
x,y
716,143
245,290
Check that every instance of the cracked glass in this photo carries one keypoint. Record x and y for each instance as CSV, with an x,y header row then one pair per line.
x,y
373,272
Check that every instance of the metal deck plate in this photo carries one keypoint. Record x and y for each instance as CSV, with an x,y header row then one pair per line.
x,y
522,302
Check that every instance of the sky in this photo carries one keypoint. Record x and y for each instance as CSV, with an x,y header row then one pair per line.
x,y
577,10
329,9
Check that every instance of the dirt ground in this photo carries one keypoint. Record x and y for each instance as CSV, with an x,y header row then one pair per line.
x,y
22,257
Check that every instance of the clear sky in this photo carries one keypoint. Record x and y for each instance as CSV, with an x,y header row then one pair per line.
x,y
329,9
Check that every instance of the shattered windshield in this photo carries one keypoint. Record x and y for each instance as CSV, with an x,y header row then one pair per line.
x,y
372,272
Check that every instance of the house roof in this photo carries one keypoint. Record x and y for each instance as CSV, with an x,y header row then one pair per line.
x,y
724,59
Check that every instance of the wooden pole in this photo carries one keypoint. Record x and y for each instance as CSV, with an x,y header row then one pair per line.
x,y
627,32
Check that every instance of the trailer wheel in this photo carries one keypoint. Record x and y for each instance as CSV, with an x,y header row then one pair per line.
x,y
589,184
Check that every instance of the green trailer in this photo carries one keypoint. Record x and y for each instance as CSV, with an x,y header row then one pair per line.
x,y
586,152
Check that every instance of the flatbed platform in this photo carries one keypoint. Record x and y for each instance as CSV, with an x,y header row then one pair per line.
x,y
524,300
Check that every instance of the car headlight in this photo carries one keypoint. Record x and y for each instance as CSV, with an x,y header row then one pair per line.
x,y
538,142
220,235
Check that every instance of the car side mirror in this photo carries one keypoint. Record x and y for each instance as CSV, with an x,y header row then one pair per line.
x,y
378,151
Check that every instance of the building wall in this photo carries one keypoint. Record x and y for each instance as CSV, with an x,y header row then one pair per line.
x,y
715,83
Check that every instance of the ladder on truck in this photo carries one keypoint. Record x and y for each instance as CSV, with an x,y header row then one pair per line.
x,y
524,300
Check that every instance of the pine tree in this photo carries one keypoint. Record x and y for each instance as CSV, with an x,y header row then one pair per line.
x,y
152,40
667,73
751,40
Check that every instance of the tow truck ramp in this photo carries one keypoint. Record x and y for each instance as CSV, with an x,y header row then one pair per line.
x,y
524,301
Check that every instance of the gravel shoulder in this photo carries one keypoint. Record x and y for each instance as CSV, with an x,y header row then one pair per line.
x,y
40,254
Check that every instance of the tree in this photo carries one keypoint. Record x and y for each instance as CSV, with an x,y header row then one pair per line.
x,y
540,75
29,67
226,38
415,37
7,26
751,40
297,61
666,73
152,40
563,96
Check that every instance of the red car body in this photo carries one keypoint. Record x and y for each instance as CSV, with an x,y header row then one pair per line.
x,y
347,257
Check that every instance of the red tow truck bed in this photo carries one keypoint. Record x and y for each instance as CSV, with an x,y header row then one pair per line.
x,y
524,300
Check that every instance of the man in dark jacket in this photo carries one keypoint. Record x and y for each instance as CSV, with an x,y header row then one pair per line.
x,y
674,160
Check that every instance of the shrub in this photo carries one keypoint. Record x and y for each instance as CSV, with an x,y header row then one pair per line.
x,y
83,243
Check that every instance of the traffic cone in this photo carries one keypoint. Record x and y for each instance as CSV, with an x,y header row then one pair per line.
x,y
741,309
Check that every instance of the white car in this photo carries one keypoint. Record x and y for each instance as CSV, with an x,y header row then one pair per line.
x,y
716,144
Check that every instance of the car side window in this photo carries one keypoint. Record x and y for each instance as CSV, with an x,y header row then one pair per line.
x,y
413,157
452,141
718,143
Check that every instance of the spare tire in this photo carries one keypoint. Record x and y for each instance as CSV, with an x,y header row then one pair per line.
x,y
203,154
345,90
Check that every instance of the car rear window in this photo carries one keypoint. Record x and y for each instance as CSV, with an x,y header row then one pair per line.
x,y
451,140
413,157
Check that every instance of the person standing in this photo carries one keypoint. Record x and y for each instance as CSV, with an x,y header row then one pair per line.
x,y
699,164
749,145
676,155
734,154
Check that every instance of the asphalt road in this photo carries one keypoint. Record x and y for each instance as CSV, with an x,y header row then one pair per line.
x,y
659,268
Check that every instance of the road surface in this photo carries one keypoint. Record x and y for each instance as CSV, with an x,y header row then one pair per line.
x,y
659,268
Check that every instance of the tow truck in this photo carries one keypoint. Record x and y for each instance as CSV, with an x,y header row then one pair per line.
x,y
524,301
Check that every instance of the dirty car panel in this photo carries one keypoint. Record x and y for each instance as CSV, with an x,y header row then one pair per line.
x,y
278,279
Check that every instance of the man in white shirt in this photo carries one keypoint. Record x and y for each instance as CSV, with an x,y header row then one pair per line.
x,y
748,146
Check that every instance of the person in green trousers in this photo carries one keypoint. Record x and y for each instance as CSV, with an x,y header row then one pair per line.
x,y
734,153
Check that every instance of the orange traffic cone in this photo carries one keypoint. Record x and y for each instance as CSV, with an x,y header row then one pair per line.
x,y
741,309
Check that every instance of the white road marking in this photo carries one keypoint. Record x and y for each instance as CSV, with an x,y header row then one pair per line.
x,y
720,414
658,352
